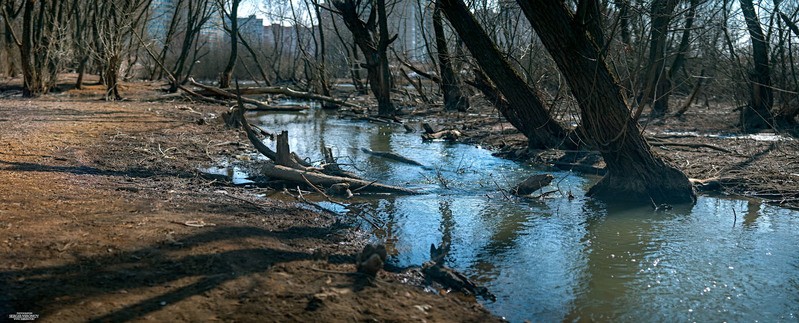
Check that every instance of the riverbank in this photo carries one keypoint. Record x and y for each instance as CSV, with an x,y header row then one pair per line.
x,y
104,217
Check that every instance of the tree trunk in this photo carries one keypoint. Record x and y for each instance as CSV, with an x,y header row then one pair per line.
x,y
757,115
450,82
634,172
525,111
657,81
32,82
373,42
227,74
679,60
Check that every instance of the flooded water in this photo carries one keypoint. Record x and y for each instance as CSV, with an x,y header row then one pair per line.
x,y
560,259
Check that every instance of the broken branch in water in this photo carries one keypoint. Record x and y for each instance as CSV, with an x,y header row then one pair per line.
x,y
288,166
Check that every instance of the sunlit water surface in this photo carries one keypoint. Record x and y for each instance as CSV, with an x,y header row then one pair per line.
x,y
560,259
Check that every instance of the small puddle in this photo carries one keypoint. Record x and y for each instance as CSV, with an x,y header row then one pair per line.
x,y
559,259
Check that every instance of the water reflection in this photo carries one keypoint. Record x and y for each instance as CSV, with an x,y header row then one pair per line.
x,y
560,259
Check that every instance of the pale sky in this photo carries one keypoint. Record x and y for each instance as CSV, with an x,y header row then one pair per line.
x,y
250,7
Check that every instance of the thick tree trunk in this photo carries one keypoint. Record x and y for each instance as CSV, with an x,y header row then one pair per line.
x,y
450,82
757,115
32,81
525,111
634,172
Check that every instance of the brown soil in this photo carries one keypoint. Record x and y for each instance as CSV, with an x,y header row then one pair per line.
x,y
94,197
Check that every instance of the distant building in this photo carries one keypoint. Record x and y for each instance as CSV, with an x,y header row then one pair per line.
x,y
161,12
252,29
411,20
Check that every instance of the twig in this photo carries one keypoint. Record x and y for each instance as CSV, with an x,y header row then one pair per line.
x,y
363,187
501,190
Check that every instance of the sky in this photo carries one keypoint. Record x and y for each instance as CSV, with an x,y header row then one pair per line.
x,y
256,7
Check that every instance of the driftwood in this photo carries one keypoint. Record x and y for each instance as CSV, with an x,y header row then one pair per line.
x,y
449,278
392,156
298,171
331,166
431,134
256,142
300,176
532,184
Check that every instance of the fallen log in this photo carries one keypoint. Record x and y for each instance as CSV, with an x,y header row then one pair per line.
x,y
448,135
392,156
331,166
258,104
300,176
276,90
432,134
532,184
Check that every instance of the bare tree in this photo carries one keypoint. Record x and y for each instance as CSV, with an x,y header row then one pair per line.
x,y
373,39
41,43
233,32
197,14
454,99
525,111
657,81
634,172
757,115
113,25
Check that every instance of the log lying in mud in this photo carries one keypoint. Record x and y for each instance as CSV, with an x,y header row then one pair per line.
x,y
532,184
392,156
300,176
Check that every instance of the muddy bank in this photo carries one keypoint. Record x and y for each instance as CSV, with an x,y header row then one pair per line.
x,y
705,143
104,217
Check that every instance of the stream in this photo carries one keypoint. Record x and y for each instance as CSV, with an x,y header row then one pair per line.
x,y
557,258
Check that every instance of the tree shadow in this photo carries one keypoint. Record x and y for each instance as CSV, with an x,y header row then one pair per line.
x,y
755,157
88,170
154,265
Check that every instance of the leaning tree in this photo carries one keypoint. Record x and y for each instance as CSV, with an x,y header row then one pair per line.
x,y
634,172
525,110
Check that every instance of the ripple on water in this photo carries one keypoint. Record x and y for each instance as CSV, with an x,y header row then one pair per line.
x,y
561,259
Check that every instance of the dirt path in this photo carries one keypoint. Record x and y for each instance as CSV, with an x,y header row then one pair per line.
x,y
94,197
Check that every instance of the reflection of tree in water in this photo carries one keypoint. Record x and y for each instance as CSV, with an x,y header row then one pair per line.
x,y
447,225
380,140
614,255
504,238
752,213
381,213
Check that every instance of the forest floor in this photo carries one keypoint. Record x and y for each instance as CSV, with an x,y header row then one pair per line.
x,y
104,217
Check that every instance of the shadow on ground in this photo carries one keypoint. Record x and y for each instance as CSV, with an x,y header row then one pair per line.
x,y
45,289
